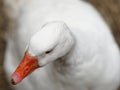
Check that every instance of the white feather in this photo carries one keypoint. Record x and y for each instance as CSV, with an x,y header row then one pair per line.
x,y
93,62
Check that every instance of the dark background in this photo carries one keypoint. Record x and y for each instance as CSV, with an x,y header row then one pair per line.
x,y
109,9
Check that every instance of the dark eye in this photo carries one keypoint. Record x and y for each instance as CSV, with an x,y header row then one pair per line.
x,y
47,52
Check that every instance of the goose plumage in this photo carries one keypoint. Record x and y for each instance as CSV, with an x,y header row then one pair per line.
x,y
73,44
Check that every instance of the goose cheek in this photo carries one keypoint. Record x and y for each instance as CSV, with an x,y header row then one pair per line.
x,y
27,65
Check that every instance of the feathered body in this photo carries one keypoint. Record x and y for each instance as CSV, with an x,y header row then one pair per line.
x,y
93,62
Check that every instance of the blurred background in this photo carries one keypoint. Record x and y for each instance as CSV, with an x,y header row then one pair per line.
x,y
109,9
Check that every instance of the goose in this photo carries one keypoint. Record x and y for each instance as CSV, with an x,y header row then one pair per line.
x,y
65,45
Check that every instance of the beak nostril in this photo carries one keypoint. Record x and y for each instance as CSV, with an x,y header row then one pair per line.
x,y
26,69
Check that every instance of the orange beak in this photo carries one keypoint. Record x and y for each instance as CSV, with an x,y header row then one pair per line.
x,y
27,65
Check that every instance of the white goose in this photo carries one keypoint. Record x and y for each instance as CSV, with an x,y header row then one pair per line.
x,y
74,50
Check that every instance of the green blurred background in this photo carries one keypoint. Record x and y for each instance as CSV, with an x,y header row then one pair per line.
x,y
109,9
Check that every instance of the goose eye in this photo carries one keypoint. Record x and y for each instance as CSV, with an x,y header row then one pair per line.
x,y
47,52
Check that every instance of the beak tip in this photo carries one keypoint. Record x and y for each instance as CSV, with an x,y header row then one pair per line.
x,y
13,82
15,78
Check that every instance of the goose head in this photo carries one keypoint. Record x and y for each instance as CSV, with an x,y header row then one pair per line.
x,y
53,41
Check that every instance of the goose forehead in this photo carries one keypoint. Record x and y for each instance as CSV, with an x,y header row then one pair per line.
x,y
43,41
47,37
